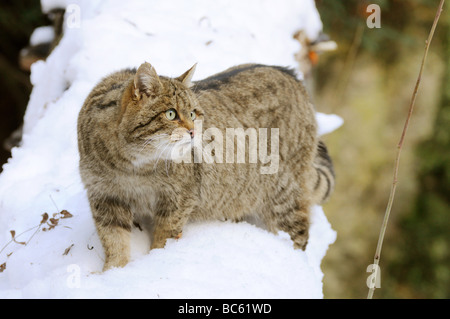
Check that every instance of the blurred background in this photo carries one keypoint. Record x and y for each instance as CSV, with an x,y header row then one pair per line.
x,y
368,81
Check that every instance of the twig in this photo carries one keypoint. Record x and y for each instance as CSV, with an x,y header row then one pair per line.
x,y
347,69
13,237
399,149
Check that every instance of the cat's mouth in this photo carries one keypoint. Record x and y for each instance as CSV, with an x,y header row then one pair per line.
x,y
182,140
180,137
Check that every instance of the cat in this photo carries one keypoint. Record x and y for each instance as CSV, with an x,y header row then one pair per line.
x,y
131,122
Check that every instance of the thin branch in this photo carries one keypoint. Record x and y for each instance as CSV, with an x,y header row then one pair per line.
x,y
399,149
13,238
347,69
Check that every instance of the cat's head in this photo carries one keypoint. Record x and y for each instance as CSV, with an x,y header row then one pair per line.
x,y
157,115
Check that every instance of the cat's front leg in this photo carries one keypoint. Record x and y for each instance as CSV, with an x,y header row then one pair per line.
x,y
113,220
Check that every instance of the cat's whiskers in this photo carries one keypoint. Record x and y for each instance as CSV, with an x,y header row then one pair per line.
x,y
175,147
151,139
167,144
167,160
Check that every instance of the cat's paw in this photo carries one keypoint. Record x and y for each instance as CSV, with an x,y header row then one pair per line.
x,y
178,236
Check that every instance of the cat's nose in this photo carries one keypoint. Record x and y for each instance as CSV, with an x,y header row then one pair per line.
x,y
191,133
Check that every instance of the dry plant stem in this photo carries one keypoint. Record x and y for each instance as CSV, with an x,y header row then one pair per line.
x,y
399,150
348,64
15,237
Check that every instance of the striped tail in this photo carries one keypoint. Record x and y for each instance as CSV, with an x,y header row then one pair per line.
x,y
325,175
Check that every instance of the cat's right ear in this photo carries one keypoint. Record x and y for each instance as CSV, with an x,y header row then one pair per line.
x,y
146,81
186,77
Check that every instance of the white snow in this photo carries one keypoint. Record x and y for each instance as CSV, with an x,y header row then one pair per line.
x,y
328,122
212,259
41,35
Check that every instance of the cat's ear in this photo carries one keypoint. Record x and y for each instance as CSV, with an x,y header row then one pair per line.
x,y
146,81
186,77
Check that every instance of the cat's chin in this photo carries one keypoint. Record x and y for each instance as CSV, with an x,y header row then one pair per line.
x,y
176,152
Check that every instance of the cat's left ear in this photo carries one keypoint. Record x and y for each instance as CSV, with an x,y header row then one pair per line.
x,y
186,77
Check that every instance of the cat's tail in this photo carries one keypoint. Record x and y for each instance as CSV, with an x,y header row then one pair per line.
x,y
324,184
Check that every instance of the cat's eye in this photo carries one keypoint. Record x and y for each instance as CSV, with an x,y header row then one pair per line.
x,y
193,115
171,114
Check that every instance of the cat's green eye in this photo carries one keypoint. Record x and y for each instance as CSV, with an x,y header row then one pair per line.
x,y
171,114
193,115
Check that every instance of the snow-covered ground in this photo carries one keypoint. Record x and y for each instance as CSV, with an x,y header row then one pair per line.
x,y
212,259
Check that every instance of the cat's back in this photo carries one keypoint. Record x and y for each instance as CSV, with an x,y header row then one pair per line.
x,y
251,72
255,95
260,96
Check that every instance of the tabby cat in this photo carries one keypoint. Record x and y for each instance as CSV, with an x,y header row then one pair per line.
x,y
132,121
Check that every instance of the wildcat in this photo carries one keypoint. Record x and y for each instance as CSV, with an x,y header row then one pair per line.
x,y
132,120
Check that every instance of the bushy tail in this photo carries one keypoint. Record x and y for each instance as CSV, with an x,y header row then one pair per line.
x,y
325,175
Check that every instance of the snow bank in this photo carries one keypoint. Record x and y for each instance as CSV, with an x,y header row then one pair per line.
x,y
41,35
212,259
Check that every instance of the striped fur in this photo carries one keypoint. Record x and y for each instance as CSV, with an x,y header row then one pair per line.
x,y
325,174
124,139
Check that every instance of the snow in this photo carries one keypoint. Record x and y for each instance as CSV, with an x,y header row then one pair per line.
x,y
41,35
212,259
328,123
